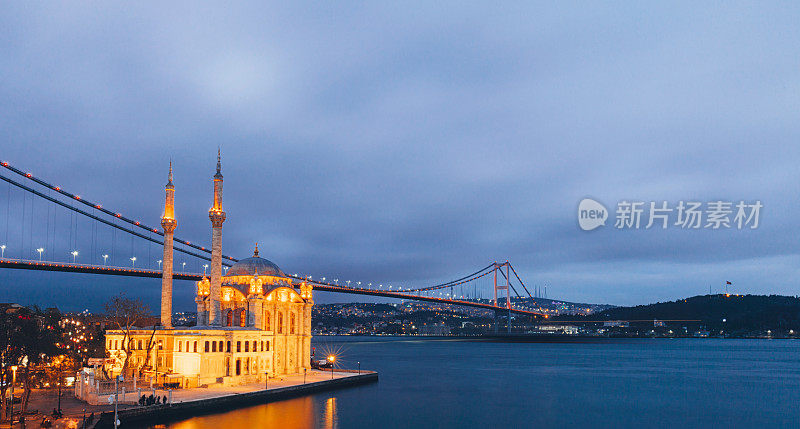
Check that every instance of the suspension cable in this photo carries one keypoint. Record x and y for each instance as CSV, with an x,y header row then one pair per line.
x,y
452,282
120,227
106,211
520,280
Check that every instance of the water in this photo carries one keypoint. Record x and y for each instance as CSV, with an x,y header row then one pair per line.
x,y
424,383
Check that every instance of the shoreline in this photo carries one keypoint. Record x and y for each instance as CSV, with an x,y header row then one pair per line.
x,y
227,401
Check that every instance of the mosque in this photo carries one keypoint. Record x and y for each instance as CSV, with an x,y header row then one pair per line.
x,y
252,322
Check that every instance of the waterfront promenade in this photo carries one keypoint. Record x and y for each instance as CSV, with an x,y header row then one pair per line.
x,y
188,402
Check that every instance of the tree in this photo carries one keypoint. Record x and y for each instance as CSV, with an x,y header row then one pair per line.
x,y
126,313
28,337
41,341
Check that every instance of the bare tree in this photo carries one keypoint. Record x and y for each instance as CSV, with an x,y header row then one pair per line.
x,y
126,313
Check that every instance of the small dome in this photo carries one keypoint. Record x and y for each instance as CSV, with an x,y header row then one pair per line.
x,y
253,265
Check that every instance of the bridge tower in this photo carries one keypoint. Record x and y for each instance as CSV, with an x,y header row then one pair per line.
x,y
168,223
499,287
217,217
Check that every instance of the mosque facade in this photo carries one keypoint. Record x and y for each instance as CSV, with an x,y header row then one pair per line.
x,y
253,322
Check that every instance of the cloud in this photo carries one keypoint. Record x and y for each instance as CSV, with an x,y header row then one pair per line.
x,y
411,144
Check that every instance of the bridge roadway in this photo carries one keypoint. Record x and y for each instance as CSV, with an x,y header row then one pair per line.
x,y
325,287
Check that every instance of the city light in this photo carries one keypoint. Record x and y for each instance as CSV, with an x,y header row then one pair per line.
x,y
105,258
40,250
2,250
74,254
133,261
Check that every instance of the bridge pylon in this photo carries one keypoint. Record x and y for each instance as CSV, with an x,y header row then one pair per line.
x,y
500,287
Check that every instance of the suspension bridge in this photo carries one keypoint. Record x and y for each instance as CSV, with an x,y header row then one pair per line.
x,y
47,220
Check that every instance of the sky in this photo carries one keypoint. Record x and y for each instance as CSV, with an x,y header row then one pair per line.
x,y
410,143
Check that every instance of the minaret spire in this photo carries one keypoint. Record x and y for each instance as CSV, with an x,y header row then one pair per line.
x,y
219,164
168,223
217,217
169,178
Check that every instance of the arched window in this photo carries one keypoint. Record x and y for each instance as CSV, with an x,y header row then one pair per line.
x,y
140,344
230,318
280,323
291,323
180,346
266,322
242,318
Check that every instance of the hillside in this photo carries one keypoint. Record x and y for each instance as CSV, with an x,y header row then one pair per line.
x,y
718,312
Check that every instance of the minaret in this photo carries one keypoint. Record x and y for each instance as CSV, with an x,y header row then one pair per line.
x,y
217,216
169,224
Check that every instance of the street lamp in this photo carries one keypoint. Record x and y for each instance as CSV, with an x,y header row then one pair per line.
x,y
40,250
13,382
105,257
331,359
74,254
204,268
159,264
2,250
266,380
359,284
226,269
348,283
133,262
305,370
183,266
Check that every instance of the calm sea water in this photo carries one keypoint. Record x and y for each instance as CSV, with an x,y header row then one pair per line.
x,y
427,383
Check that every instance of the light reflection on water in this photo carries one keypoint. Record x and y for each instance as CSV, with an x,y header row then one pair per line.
x,y
300,413
293,413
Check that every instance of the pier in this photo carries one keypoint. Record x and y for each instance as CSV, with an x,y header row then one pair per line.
x,y
192,402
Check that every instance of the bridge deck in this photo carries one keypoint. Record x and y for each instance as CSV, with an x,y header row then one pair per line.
x,y
325,287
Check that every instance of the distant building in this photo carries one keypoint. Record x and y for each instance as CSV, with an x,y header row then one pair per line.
x,y
437,329
658,323
616,324
559,329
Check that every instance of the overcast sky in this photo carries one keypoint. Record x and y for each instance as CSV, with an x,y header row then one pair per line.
x,y
409,143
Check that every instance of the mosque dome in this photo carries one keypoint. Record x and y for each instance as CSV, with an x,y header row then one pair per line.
x,y
253,265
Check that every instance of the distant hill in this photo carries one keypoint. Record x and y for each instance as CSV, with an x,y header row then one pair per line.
x,y
718,312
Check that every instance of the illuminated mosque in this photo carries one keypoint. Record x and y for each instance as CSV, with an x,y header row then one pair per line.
x,y
251,322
